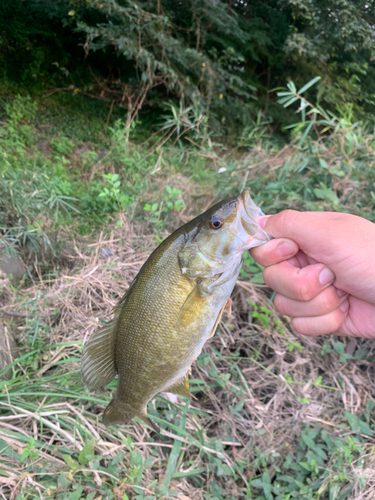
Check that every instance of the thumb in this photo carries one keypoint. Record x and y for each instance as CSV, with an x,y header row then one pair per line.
x,y
306,229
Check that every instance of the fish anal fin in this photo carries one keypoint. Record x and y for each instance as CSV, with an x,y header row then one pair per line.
x,y
181,387
98,359
227,309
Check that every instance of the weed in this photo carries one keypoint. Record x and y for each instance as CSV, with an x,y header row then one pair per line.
x,y
62,146
159,212
21,109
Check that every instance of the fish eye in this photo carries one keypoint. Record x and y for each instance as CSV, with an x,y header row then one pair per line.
x,y
216,223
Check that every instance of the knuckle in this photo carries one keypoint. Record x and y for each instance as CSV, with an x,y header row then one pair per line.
x,y
300,325
261,254
334,321
288,218
328,300
305,291
279,302
268,275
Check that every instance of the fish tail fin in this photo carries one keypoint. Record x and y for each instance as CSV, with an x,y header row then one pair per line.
x,y
118,413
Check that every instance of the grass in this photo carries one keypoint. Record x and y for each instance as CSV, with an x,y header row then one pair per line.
x,y
273,415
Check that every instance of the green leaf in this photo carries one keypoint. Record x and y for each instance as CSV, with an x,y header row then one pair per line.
x,y
72,464
288,103
257,483
357,425
88,449
326,194
308,85
305,134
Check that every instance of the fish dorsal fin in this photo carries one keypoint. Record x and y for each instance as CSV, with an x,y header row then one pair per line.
x,y
98,360
181,387
123,299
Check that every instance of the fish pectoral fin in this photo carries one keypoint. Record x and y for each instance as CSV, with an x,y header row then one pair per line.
x,y
189,311
98,359
181,387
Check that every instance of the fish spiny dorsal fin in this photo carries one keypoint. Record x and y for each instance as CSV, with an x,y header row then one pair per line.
x,y
123,299
181,387
98,359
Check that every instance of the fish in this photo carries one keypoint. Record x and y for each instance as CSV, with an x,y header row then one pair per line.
x,y
171,308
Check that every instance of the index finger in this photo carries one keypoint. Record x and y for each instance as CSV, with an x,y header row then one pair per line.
x,y
274,251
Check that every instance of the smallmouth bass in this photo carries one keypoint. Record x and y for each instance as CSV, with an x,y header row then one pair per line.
x,y
171,308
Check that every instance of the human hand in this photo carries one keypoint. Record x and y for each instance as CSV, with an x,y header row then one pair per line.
x,y
322,266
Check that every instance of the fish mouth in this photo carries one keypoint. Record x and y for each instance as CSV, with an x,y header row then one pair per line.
x,y
252,234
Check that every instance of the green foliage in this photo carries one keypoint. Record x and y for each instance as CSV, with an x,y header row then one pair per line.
x,y
342,52
159,213
21,109
328,149
319,468
216,56
28,192
29,451
251,269
194,71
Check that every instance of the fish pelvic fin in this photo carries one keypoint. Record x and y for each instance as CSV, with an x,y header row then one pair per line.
x,y
181,387
98,359
118,412
227,309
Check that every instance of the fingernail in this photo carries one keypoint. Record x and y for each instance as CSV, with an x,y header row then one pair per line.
x,y
326,276
340,293
262,221
344,306
285,249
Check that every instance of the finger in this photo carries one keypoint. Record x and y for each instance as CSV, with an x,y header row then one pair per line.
x,y
360,321
325,302
305,228
303,259
274,251
298,284
322,325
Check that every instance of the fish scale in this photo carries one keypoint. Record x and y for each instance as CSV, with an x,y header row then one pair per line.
x,y
172,307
